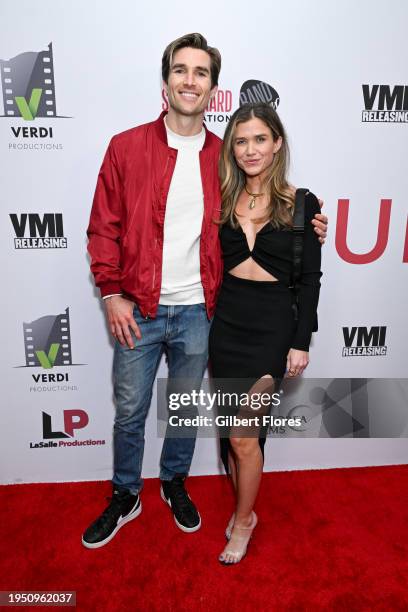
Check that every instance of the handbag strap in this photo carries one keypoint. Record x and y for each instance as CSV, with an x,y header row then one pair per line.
x,y
298,231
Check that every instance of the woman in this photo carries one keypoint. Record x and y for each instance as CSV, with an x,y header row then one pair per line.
x,y
254,335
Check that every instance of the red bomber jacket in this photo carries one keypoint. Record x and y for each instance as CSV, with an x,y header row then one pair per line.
x,y
127,219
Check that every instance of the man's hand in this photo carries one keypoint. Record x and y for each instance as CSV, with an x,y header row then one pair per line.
x,y
320,224
119,311
296,362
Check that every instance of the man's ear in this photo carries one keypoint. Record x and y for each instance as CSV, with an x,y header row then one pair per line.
x,y
164,85
213,92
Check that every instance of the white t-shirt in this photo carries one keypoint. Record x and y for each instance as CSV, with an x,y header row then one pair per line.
x,y
181,280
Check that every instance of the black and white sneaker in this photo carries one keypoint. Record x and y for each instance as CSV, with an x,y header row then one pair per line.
x,y
123,508
185,513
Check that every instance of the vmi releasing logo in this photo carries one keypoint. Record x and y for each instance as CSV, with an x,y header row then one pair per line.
x,y
47,341
258,91
364,341
35,232
384,104
28,85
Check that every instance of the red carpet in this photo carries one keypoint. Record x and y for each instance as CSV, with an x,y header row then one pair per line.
x,y
326,540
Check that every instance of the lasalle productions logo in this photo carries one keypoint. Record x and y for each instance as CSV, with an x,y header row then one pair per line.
x,y
47,343
364,341
55,436
385,104
33,231
28,84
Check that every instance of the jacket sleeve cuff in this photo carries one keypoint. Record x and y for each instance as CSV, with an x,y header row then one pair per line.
x,y
301,343
110,289
300,347
105,297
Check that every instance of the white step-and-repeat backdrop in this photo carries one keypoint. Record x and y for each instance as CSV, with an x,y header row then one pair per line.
x,y
75,73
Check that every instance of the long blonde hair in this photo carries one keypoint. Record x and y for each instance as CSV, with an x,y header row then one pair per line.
x,y
280,196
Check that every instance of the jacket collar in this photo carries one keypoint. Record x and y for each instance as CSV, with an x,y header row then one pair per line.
x,y
162,133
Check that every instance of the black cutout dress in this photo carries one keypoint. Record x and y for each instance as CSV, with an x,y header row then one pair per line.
x,y
253,326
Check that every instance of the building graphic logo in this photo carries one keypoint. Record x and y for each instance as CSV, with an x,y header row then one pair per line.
x,y
364,341
34,231
28,85
258,91
47,341
385,104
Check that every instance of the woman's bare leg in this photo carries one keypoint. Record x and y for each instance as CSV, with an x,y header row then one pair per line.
x,y
232,467
245,462
249,463
265,384
249,472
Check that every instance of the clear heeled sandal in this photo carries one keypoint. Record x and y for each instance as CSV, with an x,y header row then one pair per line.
x,y
236,548
230,525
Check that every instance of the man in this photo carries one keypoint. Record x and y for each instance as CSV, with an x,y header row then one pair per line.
x,y
156,259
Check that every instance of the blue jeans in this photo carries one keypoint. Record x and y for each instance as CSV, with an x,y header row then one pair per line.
x,y
181,332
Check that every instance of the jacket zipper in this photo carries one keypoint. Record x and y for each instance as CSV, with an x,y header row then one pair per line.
x,y
154,265
154,275
155,240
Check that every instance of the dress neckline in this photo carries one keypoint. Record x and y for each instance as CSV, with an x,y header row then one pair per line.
x,y
256,233
245,237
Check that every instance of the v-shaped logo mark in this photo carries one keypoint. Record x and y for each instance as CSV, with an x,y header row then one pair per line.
x,y
29,111
47,361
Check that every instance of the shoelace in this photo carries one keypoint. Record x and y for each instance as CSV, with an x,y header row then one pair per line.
x,y
111,511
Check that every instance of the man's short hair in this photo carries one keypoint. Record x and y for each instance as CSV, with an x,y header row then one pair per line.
x,y
196,41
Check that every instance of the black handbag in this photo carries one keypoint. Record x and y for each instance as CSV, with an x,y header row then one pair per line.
x,y
298,230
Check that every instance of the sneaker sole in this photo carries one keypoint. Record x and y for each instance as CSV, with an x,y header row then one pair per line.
x,y
126,519
179,525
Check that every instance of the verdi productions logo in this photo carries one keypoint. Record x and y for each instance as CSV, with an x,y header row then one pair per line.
x,y
364,341
33,231
28,84
385,104
47,343
58,431
253,91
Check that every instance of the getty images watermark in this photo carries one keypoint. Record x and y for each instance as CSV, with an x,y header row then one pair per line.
x,y
306,408
249,405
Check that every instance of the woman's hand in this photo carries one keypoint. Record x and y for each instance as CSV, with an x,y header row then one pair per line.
x,y
296,362
320,226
